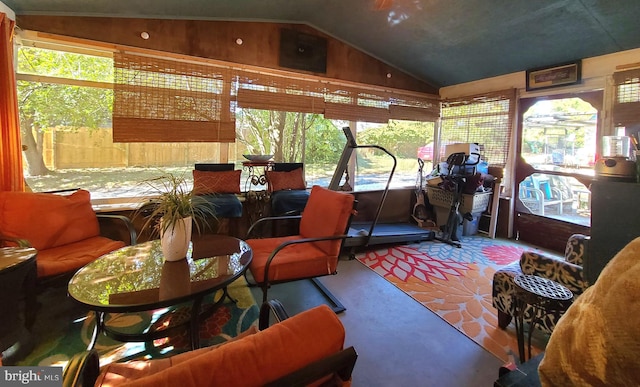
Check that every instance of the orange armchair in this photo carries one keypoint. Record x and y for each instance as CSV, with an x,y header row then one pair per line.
x,y
314,252
305,349
63,228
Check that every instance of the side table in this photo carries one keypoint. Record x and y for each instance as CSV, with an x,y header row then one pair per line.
x,y
18,276
256,200
257,173
543,295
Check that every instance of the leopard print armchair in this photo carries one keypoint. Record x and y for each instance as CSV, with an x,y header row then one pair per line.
x,y
567,271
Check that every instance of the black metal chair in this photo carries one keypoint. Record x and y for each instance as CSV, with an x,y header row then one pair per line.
x,y
288,201
224,204
312,251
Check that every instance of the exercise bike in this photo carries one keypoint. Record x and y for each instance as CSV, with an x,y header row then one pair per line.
x,y
454,182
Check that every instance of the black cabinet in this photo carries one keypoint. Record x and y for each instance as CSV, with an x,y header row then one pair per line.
x,y
615,221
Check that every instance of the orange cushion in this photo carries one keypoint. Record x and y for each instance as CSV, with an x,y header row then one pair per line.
x,y
278,181
72,256
260,358
294,261
208,182
48,220
114,374
326,213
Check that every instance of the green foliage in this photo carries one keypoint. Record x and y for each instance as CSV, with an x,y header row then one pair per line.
x,y
324,143
60,64
401,138
285,134
255,129
46,105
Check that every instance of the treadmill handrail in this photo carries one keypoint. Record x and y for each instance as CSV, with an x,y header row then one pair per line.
x,y
346,154
386,188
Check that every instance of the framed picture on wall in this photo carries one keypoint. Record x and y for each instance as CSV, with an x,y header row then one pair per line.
x,y
559,75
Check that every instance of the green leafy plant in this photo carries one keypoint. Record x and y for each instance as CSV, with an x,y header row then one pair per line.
x,y
171,201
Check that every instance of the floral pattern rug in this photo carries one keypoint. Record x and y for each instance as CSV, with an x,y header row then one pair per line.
x,y
455,283
64,329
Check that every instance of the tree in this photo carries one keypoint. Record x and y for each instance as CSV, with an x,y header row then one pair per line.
x,y
324,143
289,136
52,104
401,138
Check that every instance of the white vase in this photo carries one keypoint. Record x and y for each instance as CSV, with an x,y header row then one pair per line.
x,y
175,240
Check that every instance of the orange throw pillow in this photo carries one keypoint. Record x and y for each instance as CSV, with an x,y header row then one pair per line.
x,y
48,220
208,182
279,181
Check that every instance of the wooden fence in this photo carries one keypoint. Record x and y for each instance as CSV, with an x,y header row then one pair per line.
x,y
94,148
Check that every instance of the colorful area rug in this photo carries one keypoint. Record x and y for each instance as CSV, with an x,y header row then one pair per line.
x,y
63,329
455,283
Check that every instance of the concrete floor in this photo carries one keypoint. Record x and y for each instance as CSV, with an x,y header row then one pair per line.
x,y
399,341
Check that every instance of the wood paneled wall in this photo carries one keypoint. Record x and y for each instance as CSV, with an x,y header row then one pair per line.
x,y
217,40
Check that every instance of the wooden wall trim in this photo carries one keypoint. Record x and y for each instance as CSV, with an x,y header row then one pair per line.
x,y
217,40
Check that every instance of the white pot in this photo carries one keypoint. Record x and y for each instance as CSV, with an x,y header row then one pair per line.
x,y
175,240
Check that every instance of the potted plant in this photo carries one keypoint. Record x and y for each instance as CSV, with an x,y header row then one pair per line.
x,y
171,212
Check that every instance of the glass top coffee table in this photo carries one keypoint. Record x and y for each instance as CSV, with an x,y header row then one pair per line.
x,y
136,278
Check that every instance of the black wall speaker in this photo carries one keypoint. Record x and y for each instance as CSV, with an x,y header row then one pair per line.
x,y
303,51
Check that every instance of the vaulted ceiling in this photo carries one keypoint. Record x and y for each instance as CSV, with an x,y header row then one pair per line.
x,y
442,42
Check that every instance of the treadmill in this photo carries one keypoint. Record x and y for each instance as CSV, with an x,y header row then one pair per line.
x,y
362,234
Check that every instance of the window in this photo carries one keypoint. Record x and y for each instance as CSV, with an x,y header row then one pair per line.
x,y
626,105
163,100
94,122
486,120
66,101
400,138
319,142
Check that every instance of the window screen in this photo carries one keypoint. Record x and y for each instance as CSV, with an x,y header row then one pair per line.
x,y
167,101
626,106
486,120
158,99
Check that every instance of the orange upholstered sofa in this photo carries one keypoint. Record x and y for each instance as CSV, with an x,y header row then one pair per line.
x,y
301,350
64,229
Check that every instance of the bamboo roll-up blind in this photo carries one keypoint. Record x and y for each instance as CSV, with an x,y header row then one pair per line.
x,y
255,99
354,104
415,108
159,99
484,119
163,100
411,113
355,113
626,105
269,92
